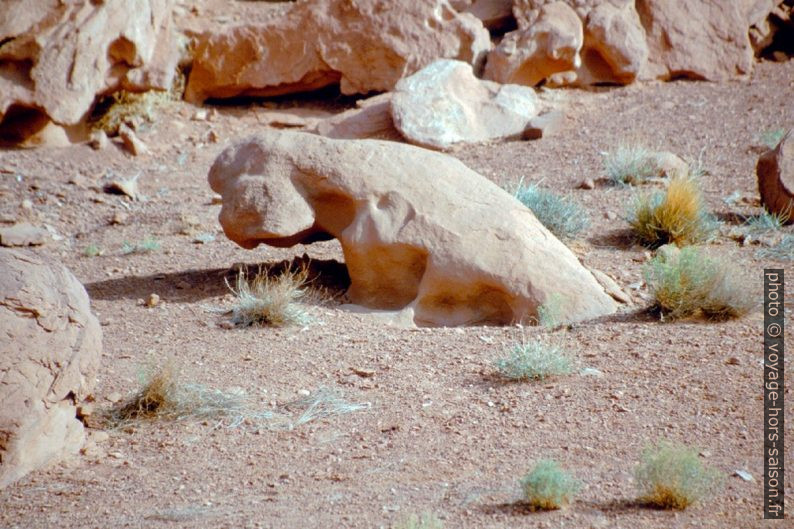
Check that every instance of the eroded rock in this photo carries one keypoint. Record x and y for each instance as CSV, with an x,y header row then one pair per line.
x,y
364,46
775,171
56,56
421,232
49,356
444,104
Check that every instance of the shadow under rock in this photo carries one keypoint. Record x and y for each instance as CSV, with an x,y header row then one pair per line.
x,y
190,286
622,239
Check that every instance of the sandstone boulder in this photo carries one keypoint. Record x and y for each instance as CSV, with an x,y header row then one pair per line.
x,y
57,56
364,46
626,40
444,104
49,356
371,119
703,39
775,171
549,45
421,233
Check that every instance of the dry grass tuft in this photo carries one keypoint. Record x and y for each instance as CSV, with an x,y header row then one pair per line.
x,y
672,476
676,216
266,300
134,108
165,396
688,283
548,487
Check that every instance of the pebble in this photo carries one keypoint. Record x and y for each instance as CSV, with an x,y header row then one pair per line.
x,y
114,397
153,300
588,183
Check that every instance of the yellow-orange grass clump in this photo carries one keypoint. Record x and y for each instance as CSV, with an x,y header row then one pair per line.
x,y
677,216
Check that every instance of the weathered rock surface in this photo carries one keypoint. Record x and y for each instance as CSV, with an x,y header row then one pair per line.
x,y
23,234
706,39
444,104
420,231
549,45
625,40
775,171
365,46
58,56
372,119
49,356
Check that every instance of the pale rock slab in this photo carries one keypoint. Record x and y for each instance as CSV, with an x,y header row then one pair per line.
x,y
421,232
444,104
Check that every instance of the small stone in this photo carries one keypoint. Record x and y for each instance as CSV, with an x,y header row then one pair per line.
x,y
27,204
127,187
746,476
119,218
226,324
304,392
732,361
544,125
131,141
86,409
199,115
98,140
99,436
213,136
362,372
114,397
153,300
609,215
23,234
587,183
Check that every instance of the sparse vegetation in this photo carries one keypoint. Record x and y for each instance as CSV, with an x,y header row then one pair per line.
x,y
771,137
688,283
165,396
677,216
134,108
672,476
270,301
148,244
766,222
630,164
92,250
563,216
425,521
547,486
533,360
782,251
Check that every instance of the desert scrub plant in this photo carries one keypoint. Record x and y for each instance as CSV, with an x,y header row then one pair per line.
x,y
425,521
92,250
678,215
771,137
782,251
766,222
147,245
134,108
629,164
164,396
270,301
672,476
533,360
562,216
547,486
688,283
